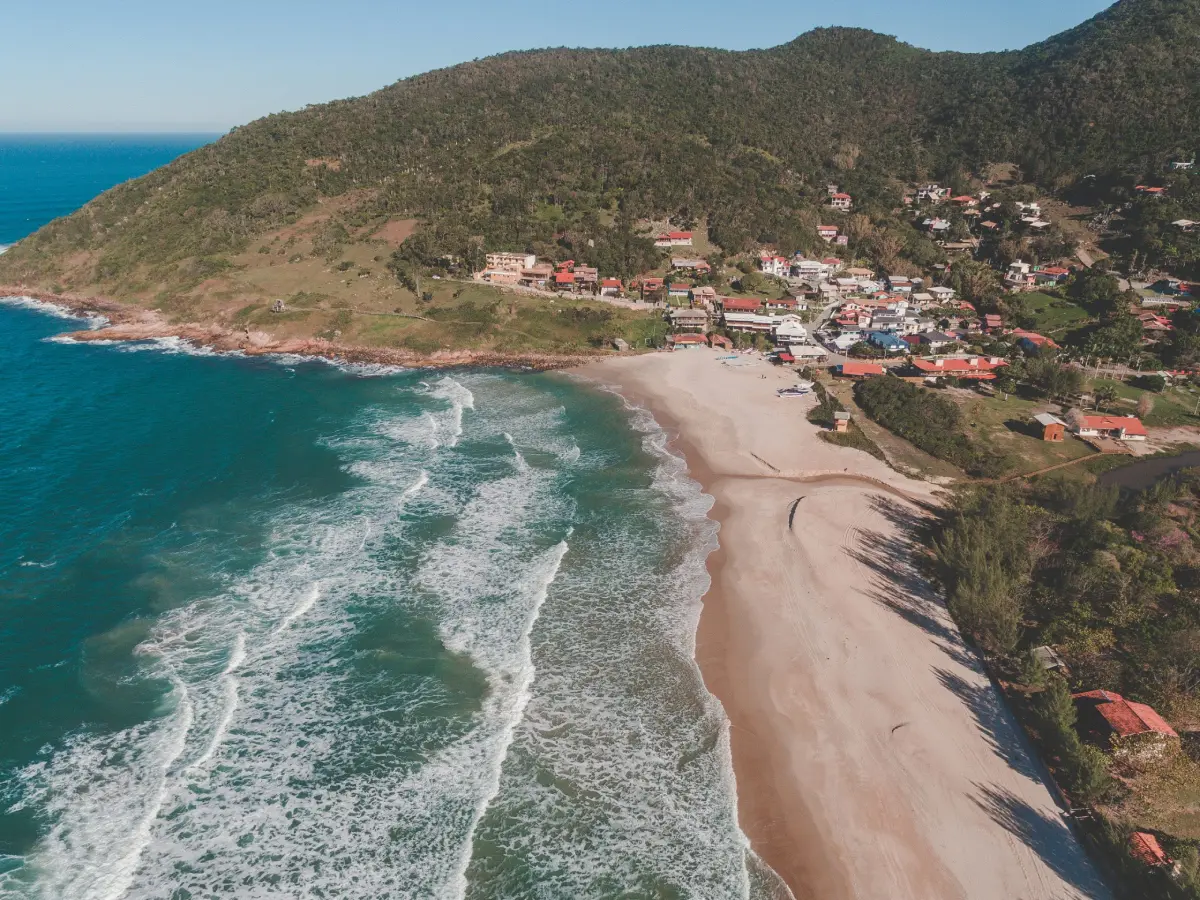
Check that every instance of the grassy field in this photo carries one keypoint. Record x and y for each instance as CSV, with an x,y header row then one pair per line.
x,y
1005,426
1173,407
1054,317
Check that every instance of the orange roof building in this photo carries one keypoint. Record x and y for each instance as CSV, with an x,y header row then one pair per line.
x,y
979,368
1122,717
1122,428
1144,847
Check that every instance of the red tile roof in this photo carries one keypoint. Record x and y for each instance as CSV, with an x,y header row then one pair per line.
x,y
980,368
564,278
1145,848
1124,716
824,228
1129,424
689,339
611,282
1034,338
841,197
861,369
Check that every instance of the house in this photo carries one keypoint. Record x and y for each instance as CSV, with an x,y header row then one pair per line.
x,y
846,286
833,264
1152,322
501,276
611,287
1121,428
719,342
536,276
973,368
902,284
674,239
687,264
966,202
1031,341
887,342
1020,277
888,320
842,240
841,421
689,320
1053,428
859,370
935,226
1185,225
1052,275
739,304
564,281
648,287
1144,847
827,232
678,290
790,330
704,296
942,294
750,322
934,340
846,340
1049,659
992,322
779,266
841,201
586,275
1179,165
1148,191
513,262
933,193
1132,729
686,341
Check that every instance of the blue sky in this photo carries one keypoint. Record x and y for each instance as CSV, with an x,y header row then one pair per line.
x,y
142,65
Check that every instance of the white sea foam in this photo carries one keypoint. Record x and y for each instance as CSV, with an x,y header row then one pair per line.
x,y
308,767
57,310
4,247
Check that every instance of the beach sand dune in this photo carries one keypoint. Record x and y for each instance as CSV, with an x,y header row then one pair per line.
x,y
874,759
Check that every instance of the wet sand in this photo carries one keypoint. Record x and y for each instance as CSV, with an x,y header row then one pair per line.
x,y
873,757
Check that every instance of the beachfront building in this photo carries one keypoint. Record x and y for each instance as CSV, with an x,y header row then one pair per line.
x,y
1119,428
686,341
1131,730
752,323
689,320
789,330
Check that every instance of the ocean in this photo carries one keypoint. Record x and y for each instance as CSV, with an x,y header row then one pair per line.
x,y
281,628
43,176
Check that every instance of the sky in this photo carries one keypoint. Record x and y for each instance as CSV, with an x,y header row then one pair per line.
x,y
150,65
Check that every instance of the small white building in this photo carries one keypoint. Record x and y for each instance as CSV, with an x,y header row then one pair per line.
x,y
789,329
749,322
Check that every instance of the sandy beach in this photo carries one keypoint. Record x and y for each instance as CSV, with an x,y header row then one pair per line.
x,y
874,759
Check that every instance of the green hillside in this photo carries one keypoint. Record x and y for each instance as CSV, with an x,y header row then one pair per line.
x,y
566,151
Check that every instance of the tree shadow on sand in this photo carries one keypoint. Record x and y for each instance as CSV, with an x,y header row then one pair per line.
x,y
899,584
995,723
1047,836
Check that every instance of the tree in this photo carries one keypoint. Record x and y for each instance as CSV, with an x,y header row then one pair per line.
x,y
887,245
975,282
1145,405
1097,292
1106,395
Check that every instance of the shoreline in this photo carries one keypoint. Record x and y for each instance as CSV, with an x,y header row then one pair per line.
x,y
126,324
871,755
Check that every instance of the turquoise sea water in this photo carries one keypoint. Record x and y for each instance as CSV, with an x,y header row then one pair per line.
x,y
275,628
46,176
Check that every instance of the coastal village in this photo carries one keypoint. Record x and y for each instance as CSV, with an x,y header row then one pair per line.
x,y
837,323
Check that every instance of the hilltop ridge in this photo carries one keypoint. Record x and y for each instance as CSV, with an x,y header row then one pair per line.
x,y
573,151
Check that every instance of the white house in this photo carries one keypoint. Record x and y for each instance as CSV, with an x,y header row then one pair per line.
x,y
674,239
841,201
778,266
789,329
1019,277
942,294
752,322
1122,428
827,232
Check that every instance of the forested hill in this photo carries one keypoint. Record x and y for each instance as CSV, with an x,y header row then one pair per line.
x,y
521,149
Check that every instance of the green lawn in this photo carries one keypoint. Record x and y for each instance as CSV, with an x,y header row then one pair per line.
x,y
1006,427
1054,317
1173,407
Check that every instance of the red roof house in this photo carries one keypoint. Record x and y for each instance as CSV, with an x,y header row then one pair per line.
x,y
1032,339
1145,849
687,341
991,321
564,278
611,283
978,368
1107,715
1122,428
